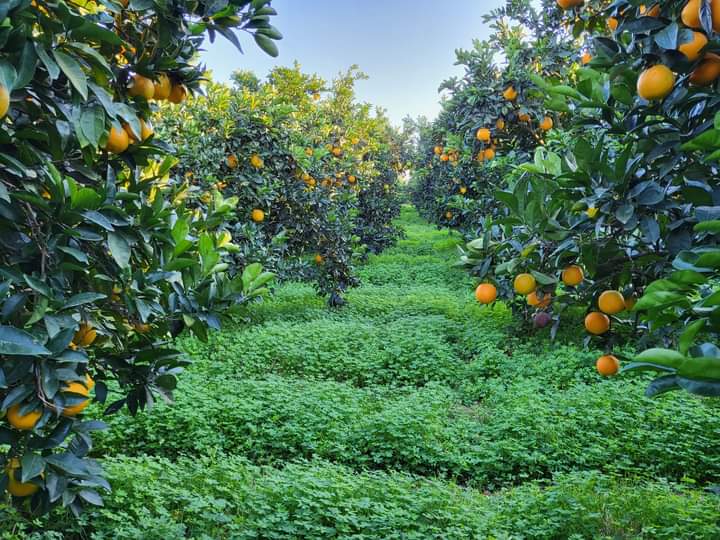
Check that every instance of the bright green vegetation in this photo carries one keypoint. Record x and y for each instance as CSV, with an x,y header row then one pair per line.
x,y
411,413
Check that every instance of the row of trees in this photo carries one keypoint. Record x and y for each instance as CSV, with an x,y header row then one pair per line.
x,y
613,210
116,236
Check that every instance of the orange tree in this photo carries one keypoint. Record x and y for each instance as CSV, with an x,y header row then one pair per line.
x,y
304,167
101,262
494,111
631,201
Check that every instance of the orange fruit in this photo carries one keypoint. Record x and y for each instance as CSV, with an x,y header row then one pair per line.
x,y
692,49
607,365
652,12
486,293
257,215
510,93
546,124
177,94
707,72
597,323
319,259
444,157
4,100
655,82
524,284
567,4
534,300
232,161
611,302
463,190
524,117
715,7
256,161
141,87
438,150
163,87
613,23
448,215
146,131
85,336
24,422
118,141
352,179
690,14
76,388
337,152
483,134
500,124
489,154
15,486
573,276
586,58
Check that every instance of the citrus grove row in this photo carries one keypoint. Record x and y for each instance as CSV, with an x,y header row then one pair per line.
x,y
583,172
138,200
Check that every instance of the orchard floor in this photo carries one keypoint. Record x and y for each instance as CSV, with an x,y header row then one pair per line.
x,y
411,413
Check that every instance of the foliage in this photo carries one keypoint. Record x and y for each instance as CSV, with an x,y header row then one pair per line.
x,y
100,260
320,170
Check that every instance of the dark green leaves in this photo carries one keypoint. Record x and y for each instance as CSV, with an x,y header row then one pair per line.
x,y
19,343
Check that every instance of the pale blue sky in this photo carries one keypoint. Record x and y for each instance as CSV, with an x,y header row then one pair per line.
x,y
406,47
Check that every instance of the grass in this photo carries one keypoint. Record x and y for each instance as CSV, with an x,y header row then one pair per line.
x,y
411,413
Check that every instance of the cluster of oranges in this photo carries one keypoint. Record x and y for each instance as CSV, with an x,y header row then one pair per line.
x,y
610,302
657,81
451,155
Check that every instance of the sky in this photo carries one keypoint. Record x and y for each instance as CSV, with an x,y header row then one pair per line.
x,y
406,47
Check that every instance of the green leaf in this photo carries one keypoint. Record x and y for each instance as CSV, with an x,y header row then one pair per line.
x,y
73,71
32,466
81,299
267,45
661,385
14,341
119,249
688,335
662,357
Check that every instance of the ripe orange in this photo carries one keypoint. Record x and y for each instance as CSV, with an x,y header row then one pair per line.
x,y
355,141
85,336
232,161
319,259
567,4
444,157
546,124
141,87
524,284
256,161
486,293
483,134
15,486
438,150
597,323
337,152
524,117
715,8
655,82
690,14
352,179
692,49
510,93
586,58
118,141
76,388
463,190
489,154
4,100
147,130
500,124
24,422
607,365
573,276
611,302
613,23
707,72
257,215
177,94
535,301
163,87
652,12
